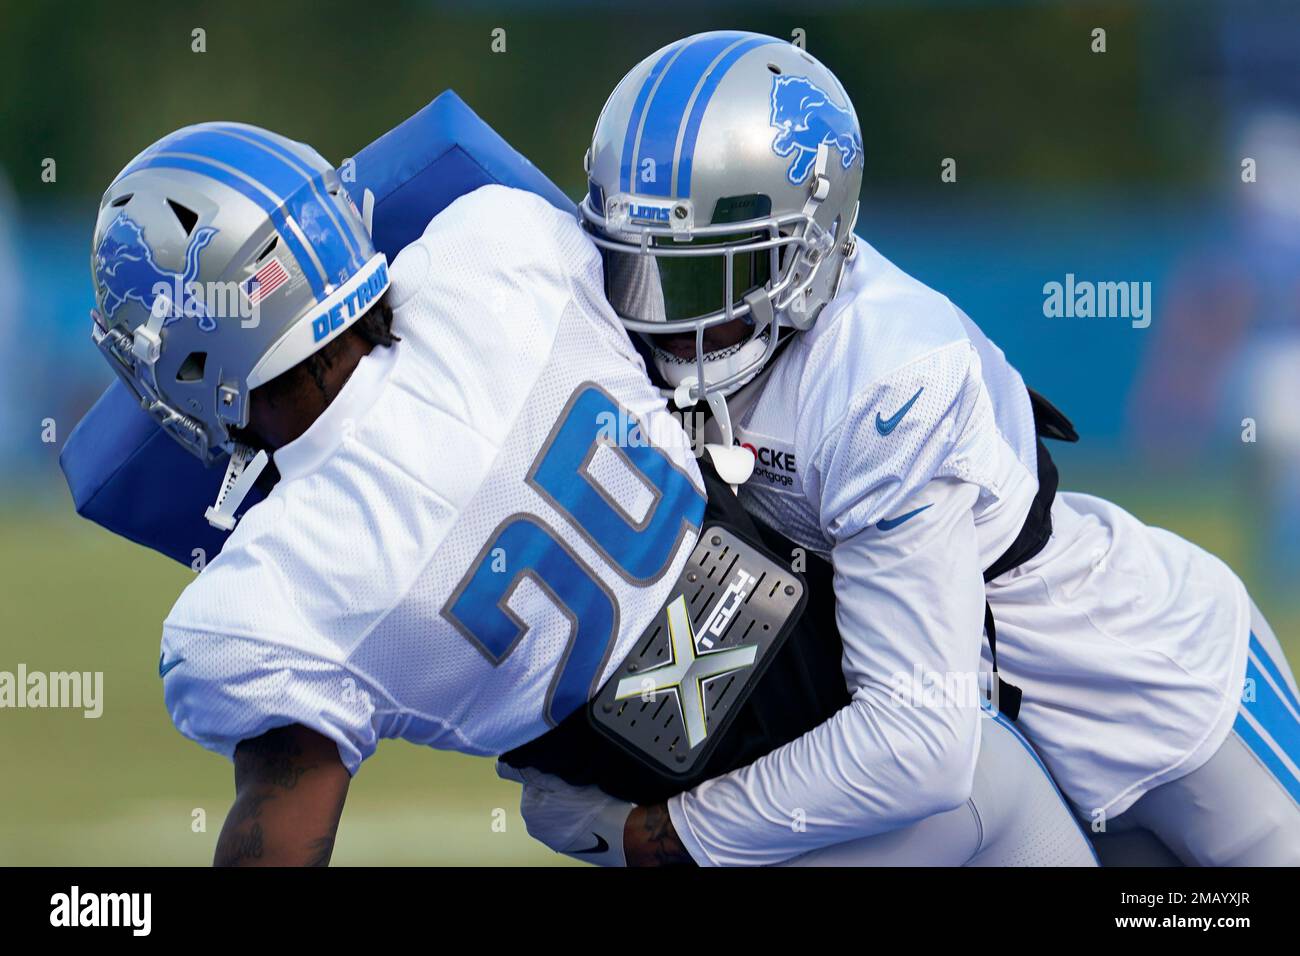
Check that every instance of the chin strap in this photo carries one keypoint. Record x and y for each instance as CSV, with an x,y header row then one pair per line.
x,y
241,474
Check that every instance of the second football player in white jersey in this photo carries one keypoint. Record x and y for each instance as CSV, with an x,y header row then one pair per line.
x,y
886,432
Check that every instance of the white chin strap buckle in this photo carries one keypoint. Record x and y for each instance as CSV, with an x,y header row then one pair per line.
x,y
241,474
733,463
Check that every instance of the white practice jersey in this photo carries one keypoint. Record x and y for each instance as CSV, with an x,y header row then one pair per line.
x,y
467,542
896,439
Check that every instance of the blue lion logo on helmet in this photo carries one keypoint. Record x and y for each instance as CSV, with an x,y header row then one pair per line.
x,y
125,270
805,118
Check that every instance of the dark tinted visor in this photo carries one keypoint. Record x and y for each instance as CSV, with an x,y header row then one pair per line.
x,y
671,288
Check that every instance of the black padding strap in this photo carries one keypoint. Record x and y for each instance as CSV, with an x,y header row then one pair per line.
x,y
1050,421
1008,697
1037,528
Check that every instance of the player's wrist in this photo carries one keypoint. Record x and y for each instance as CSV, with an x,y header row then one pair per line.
x,y
650,839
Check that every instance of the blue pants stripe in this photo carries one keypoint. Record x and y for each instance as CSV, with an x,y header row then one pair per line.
x,y
1269,720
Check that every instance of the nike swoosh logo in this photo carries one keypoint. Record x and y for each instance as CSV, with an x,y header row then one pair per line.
x,y
165,669
888,524
887,425
601,846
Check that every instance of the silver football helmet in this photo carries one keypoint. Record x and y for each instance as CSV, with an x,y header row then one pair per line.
x,y
724,174
224,255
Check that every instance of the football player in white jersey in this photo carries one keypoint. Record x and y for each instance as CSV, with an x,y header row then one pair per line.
x,y
455,551
450,554
891,436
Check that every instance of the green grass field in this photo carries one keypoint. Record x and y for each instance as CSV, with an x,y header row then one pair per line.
x,y
123,789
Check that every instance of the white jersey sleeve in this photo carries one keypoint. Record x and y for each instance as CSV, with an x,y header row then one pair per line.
x,y
893,388
890,439
227,688
248,646
909,602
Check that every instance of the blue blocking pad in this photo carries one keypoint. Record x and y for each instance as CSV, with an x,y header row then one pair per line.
x,y
418,169
129,477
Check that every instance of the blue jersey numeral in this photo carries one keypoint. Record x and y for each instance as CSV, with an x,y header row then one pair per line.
x,y
641,551
532,551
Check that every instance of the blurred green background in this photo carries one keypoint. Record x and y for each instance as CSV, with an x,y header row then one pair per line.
x,y
1124,163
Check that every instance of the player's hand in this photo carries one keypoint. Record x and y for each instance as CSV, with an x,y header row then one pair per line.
x,y
582,822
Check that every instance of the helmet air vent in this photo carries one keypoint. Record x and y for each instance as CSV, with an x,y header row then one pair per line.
x,y
742,208
192,368
275,241
121,201
188,218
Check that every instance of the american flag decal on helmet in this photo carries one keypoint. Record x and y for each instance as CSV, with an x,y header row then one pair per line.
x,y
266,280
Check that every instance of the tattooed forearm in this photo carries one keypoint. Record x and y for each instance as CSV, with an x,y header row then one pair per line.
x,y
650,840
322,850
289,791
239,846
247,807
276,759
